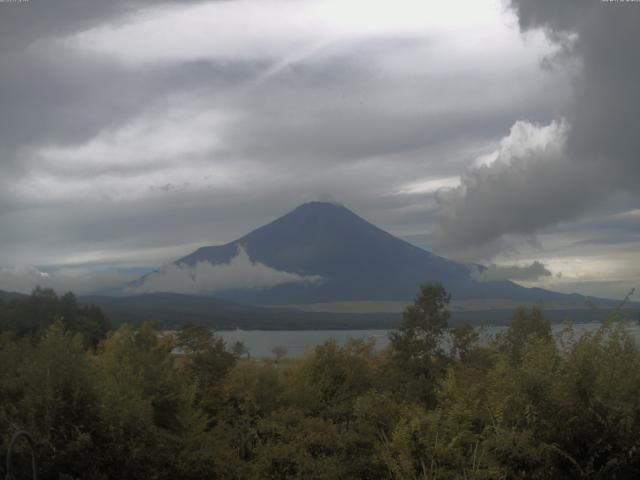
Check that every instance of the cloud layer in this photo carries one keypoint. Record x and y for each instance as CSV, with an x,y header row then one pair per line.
x,y
204,277
79,281
122,145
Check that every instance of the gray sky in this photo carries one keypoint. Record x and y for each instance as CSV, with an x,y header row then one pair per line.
x,y
132,132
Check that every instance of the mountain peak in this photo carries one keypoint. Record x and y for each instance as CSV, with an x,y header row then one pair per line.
x,y
313,222
355,260
318,204
320,208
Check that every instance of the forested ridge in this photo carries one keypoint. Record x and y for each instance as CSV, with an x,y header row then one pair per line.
x,y
138,403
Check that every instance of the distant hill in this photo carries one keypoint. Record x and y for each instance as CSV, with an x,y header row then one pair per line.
x,y
170,310
356,260
7,296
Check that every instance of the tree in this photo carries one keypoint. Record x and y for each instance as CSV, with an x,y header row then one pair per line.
x,y
239,349
31,317
54,398
463,339
329,381
525,327
417,353
206,360
298,446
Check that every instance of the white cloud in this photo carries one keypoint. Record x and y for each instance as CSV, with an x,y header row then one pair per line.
x,y
516,190
204,277
428,185
181,129
527,141
79,281
137,158
250,29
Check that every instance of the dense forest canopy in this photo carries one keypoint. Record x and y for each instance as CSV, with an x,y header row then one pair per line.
x,y
137,403
31,317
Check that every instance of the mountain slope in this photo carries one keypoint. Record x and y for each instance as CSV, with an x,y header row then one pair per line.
x,y
357,261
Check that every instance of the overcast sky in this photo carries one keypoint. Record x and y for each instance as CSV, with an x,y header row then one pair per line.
x,y
133,132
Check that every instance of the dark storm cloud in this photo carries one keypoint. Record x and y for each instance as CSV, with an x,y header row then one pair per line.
x,y
604,111
522,193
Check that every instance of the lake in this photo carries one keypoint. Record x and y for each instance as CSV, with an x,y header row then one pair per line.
x,y
297,342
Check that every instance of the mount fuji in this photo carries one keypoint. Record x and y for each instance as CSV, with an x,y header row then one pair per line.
x,y
323,252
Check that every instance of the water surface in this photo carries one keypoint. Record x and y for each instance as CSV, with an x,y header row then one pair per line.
x,y
297,342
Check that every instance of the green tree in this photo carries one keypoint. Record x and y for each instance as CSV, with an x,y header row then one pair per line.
x,y
329,381
417,356
206,360
298,446
146,404
31,317
55,399
526,326
463,339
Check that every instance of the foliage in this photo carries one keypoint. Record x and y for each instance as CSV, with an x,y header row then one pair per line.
x,y
436,404
417,360
32,316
